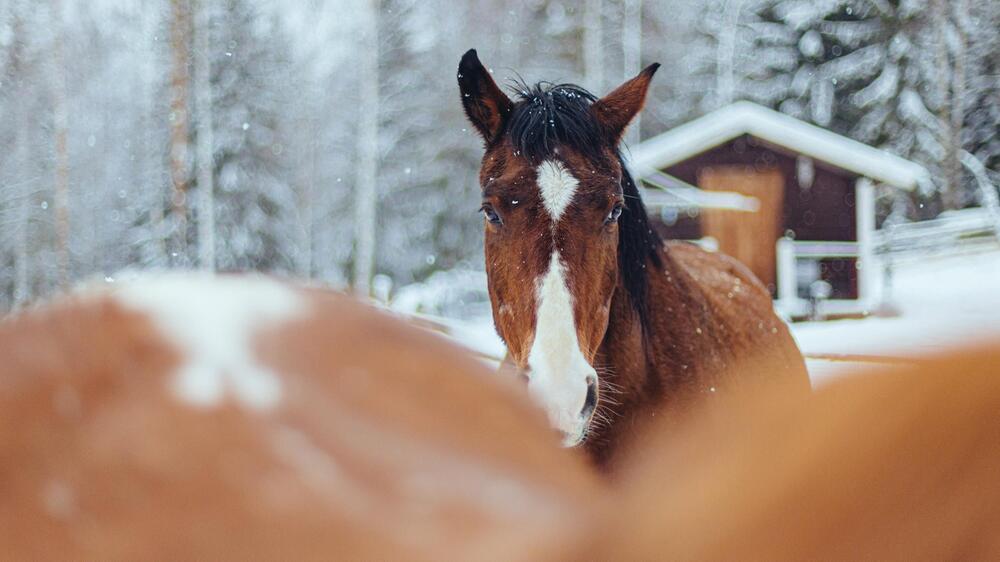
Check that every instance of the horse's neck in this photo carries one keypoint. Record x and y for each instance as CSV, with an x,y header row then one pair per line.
x,y
636,356
623,350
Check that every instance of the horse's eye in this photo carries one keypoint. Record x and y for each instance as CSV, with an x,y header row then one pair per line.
x,y
616,212
490,214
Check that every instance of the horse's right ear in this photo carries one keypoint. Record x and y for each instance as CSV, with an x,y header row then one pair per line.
x,y
485,104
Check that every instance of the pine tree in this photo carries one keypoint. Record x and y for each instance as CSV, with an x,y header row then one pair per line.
x,y
889,74
255,199
421,186
818,61
17,182
684,87
982,116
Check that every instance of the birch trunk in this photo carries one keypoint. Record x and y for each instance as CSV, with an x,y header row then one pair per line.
x,y
510,43
593,42
306,201
180,33
205,144
632,55
725,64
23,180
946,98
60,123
367,150
954,153
22,260
151,165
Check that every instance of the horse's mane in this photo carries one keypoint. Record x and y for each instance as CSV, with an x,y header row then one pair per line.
x,y
637,243
546,116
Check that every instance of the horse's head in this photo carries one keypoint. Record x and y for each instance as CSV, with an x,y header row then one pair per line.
x,y
554,191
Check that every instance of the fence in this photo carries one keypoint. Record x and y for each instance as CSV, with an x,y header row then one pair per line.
x,y
789,253
953,232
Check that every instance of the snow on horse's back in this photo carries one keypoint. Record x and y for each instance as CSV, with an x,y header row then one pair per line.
x,y
199,416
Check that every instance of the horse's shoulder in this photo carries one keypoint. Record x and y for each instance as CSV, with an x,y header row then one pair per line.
x,y
740,311
715,270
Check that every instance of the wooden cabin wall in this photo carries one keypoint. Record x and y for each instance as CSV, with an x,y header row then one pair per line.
x,y
822,211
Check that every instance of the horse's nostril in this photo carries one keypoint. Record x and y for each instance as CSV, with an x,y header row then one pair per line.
x,y
590,402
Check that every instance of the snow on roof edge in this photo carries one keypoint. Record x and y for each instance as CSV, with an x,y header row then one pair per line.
x,y
744,117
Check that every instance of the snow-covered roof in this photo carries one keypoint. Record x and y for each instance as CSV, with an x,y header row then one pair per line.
x,y
746,118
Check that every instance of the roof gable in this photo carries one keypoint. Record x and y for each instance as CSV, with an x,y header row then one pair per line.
x,y
746,118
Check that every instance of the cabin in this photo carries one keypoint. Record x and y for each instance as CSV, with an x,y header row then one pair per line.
x,y
793,201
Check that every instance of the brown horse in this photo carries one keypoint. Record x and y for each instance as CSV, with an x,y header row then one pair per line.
x,y
892,467
610,325
192,417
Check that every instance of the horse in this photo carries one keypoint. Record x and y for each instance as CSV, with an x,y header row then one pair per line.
x,y
191,416
610,325
895,466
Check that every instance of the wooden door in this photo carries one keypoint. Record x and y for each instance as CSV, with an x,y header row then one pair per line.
x,y
747,236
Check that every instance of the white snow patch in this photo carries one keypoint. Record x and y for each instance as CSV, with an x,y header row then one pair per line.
x,y
59,499
942,302
458,301
456,293
811,44
212,320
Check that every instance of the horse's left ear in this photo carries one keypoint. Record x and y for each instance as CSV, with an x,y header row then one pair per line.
x,y
615,111
485,104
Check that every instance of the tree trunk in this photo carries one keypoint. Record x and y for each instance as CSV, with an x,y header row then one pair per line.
x,y
593,44
22,163
946,110
22,258
513,28
954,162
180,34
632,55
203,125
306,200
151,165
725,63
367,149
60,123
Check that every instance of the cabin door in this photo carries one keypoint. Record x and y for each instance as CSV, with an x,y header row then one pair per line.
x,y
747,236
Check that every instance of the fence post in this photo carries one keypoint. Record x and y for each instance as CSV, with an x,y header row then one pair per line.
x,y
786,276
867,269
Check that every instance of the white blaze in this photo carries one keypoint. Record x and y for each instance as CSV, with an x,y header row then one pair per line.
x,y
558,187
559,370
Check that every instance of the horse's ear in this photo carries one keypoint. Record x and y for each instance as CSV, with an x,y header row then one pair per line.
x,y
485,104
615,111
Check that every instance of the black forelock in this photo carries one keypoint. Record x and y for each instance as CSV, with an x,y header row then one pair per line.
x,y
548,115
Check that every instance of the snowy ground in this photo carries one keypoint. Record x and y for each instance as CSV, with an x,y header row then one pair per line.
x,y
940,301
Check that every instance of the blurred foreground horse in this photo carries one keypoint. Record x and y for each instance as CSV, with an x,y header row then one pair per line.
x,y
193,417
199,417
896,466
610,325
